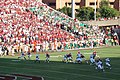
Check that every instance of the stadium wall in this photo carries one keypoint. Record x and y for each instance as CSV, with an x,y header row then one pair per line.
x,y
111,22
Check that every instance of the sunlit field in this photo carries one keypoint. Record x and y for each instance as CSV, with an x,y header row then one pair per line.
x,y
58,70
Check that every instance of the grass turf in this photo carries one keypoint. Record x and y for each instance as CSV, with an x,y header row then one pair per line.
x,y
57,70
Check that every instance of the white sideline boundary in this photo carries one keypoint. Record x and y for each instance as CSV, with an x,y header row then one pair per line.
x,y
88,53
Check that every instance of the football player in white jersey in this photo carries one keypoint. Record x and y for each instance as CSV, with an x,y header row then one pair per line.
x,y
99,65
107,63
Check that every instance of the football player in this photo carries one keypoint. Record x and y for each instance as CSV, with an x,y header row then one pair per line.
x,y
92,58
37,58
99,65
22,55
65,58
107,63
47,57
69,57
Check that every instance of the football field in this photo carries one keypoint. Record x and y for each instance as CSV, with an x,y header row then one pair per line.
x,y
57,70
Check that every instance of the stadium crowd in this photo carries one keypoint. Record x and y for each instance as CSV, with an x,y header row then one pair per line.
x,y
32,25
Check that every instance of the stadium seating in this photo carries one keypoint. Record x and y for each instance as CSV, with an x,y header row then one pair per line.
x,y
33,23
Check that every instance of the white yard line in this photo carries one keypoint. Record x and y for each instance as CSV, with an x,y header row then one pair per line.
x,y
88,53
57,56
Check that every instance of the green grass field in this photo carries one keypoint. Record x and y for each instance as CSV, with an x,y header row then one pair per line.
x,y
57,70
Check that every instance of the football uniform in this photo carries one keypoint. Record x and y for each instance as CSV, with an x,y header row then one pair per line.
x,y
92,60
47,57
69,56
37,58
22,55
29,55
107,62
99,65
65,57
78,59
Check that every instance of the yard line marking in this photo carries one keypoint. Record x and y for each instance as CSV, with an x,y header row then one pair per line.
x,y
87,53
57,56
61,73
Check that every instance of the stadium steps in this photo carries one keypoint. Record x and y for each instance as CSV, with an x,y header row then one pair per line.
x,y
49,12
43,11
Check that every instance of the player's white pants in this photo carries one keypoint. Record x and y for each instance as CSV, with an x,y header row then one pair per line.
x,y
65,59
79,59
107,64
92,60
100,67
29,56
37,59
47,58
69,58
1,53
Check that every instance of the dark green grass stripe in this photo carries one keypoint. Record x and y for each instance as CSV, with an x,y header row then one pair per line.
x,y
46,77
74,67
59,72
37,74
63,73
38,66
55,63
70,70
27,71
62,68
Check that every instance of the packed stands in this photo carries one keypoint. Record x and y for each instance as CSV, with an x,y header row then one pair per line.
x,y
31,24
